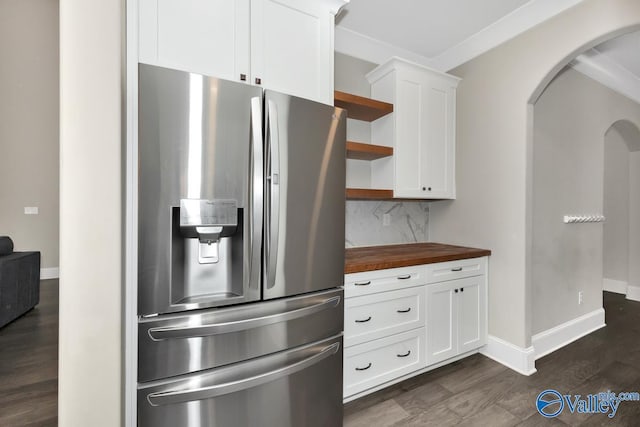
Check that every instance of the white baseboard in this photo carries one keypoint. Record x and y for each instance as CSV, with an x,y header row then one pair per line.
x,y
517,358
612,285
633,293
557,337
49,273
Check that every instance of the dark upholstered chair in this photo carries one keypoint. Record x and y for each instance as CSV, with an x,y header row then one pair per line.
x,y
19,281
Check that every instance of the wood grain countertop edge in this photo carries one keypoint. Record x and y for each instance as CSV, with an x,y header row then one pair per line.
x,y
406,255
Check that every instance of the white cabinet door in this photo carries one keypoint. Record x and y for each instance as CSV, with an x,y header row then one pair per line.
x,y
456,317
442,322
201,36
438,139
409,150
472,325
292,48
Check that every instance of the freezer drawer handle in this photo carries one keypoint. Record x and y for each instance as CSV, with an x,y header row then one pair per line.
x,y
190,395
164,333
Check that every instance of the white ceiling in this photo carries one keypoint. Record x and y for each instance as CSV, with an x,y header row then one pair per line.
x,y
426,27
443,34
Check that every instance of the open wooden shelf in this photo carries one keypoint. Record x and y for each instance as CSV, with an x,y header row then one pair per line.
x,y
361,108
362,151
368,194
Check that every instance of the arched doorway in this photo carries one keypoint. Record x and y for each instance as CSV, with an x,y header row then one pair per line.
x,y
621,233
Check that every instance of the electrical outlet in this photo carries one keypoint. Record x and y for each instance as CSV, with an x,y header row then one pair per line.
x,y
31,210
386,219
580,299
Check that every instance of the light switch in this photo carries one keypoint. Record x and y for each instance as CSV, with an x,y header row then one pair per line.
x,y
31,210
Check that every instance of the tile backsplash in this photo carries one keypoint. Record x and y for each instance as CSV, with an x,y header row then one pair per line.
x,y
409,223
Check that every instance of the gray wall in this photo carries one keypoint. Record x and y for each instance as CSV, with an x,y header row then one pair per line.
x,y
29,125
409,221
571,119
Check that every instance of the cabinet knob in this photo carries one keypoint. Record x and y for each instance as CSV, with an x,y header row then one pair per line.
x,y
258,80
424,188
461,289
456,291
429,189
243,77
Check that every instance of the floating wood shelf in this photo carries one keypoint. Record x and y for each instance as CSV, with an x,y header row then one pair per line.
x,y
368,194
362,151
361,108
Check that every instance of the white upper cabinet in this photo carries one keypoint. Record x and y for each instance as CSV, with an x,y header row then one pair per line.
x,y
283,45
421,128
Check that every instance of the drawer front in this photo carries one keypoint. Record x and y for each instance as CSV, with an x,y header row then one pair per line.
x,y
370,282
452,270
377,315
376,362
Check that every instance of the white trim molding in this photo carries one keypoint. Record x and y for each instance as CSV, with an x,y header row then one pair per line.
x,y
369,49
559,336
517,358
49,273
633,293
616,286
520,20
603,69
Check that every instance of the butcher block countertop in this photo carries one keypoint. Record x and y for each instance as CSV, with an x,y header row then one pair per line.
x,y
392,256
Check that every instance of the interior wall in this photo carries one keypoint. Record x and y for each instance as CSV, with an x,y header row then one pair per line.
x,y
571,119
29,114
408,220
493,150
616,207
91,194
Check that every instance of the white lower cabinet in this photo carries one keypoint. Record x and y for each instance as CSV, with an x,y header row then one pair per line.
x,y
375,362
402,322
456,317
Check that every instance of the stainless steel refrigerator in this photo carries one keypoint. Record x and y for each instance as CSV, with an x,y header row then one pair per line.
x,y
241,255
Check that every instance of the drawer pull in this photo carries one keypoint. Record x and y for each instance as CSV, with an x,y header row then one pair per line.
x,y
404,311
457,269
405,277
404,355
363,321
367,283
365,368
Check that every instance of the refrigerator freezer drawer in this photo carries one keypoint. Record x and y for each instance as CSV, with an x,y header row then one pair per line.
x,y
177,344
298,387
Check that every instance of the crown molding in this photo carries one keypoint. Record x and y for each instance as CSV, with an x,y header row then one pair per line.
x,y
520,20
611,74
369,49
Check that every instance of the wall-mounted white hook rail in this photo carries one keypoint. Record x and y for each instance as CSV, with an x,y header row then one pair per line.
x,y
573,219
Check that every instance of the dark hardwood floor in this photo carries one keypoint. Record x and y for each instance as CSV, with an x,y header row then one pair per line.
x,y
29,364
480,392
473,392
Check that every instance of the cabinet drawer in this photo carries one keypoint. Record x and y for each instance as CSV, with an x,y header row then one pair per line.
x,y
451,270
375,362
369,282
377,315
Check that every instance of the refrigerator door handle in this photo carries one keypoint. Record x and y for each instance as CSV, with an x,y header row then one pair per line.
x,y
163,333
208,392
257,189
273,209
